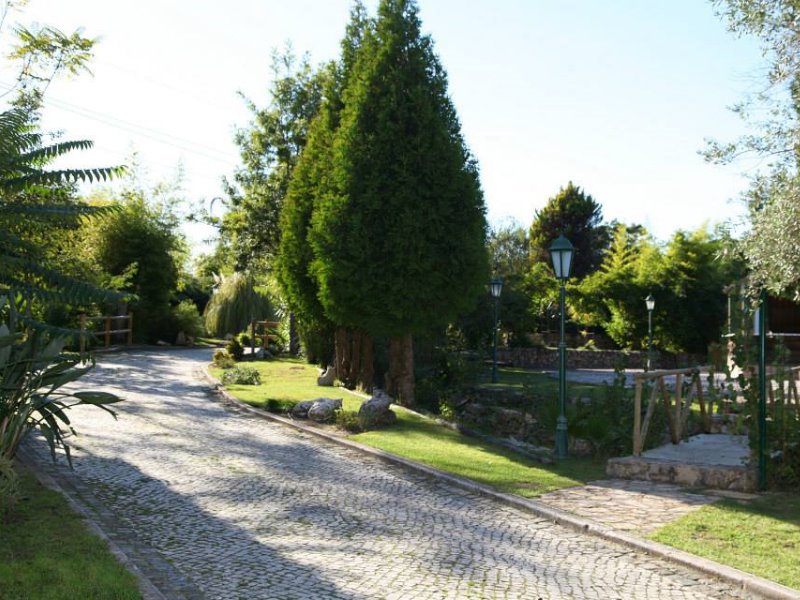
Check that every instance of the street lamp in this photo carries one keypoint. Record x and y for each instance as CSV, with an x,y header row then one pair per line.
x,y
561,252
760,326
495,288
650,302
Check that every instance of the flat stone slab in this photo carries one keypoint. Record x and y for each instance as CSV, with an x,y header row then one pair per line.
x,y
637,507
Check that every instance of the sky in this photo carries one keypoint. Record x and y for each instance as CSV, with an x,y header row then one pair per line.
x,y
616,96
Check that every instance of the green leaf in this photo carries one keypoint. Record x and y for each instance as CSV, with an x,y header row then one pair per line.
x,y
97,397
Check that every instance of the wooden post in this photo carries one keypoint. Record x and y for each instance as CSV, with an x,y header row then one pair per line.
x,y
637,419
82,336
108,331
676,432
130,328
705,416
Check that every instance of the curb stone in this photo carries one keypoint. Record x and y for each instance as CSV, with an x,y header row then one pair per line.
x,y
746,581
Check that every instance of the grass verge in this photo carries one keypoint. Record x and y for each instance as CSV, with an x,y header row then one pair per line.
x,y
46,552
761,537
286,380
424,441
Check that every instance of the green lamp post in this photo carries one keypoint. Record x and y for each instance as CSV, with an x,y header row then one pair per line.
x,y
561,253
495,288
760,327
650,303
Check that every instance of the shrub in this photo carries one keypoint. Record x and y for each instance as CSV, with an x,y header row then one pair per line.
x,y
349,421
241,376
187,319
34,371
222,359
235,349
244,339
275,405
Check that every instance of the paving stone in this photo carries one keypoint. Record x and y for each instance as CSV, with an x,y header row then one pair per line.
x,y
243,507
638,507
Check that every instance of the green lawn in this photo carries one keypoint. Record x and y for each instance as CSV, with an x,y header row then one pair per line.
x,y
424,441
283,382
761,537
515,379
417,438
46,552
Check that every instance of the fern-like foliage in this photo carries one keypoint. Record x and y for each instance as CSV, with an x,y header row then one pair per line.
x,y
26,192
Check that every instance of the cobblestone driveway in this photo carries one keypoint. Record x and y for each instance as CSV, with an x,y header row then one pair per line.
x,y
246,508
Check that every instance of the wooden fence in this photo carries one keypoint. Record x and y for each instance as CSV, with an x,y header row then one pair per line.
x,y
266,327
677,406
106,329
783,400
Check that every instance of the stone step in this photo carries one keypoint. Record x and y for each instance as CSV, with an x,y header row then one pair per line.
x,y
706,476
710,461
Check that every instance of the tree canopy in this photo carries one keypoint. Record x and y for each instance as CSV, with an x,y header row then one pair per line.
x,y
686,276
269,148
770,246
579,218
399,242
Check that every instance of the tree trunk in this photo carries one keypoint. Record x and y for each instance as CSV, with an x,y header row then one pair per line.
x,y
294,335
354,357
367,371
400,378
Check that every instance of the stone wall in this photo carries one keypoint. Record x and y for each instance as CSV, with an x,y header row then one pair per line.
x,y
547,358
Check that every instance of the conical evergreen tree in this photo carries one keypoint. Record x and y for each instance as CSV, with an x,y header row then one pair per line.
x,y
311,183
398,242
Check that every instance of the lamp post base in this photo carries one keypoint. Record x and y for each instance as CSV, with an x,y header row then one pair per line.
x,y
561,437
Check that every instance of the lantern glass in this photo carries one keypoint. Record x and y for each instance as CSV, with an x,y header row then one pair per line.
x,y
496,287
650,302
561,253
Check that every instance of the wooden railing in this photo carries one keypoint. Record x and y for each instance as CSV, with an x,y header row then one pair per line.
x,y
790,378
266,336
106,330
677,405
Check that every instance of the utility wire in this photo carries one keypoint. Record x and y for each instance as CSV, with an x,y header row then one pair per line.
x,y
153,134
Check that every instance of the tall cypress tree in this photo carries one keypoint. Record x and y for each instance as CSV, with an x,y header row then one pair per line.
x,y
398,242
310,184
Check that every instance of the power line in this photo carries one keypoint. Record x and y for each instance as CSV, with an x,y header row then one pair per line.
x,y
140,130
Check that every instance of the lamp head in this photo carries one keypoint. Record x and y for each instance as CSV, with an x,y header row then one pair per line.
x,y
561,253
496,287
650,302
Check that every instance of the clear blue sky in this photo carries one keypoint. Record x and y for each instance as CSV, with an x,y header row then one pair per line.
x,y
616,96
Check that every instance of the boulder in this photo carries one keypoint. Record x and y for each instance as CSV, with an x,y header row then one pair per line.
x,y
375,412
324,409
327,376
319,409
300,410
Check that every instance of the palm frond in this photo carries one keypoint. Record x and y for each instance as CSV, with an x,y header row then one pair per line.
x,y
37,177
49,210
47,153
52,285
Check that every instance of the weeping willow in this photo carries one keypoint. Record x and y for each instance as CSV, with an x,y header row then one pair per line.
x,y
234,304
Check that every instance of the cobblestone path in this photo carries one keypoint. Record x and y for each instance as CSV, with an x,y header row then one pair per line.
x,y
242,507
